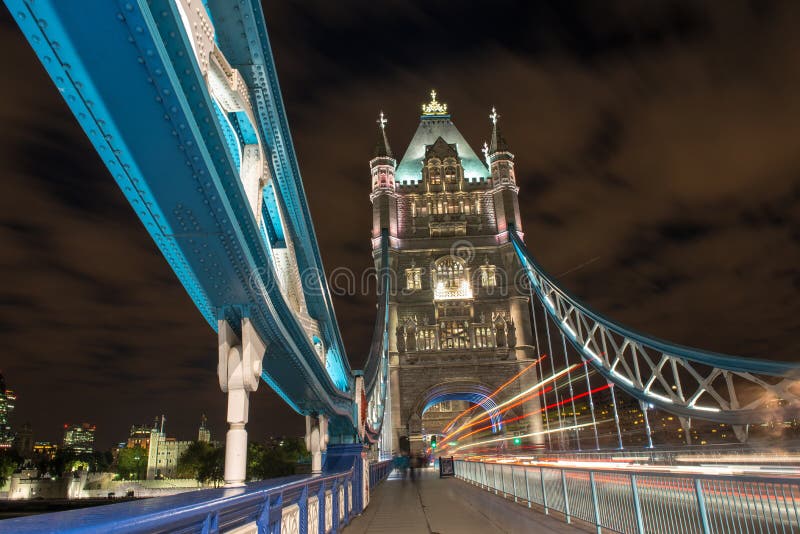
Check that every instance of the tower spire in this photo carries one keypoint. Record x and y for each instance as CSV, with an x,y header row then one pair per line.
x,y
382,148
498,143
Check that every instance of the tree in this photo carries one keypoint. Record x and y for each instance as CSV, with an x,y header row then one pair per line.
x,y
100,461
132,463
277,459
213,467
8,464
203,462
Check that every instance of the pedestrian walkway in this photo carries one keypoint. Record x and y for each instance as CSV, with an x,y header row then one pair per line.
x,y
433,505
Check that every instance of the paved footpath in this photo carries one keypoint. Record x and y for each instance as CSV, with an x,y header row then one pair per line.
x,y
431,505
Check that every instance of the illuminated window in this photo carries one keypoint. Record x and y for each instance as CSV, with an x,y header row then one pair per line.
x,y
444,406
426,340
450,175
449,272
484,337
436,176
488,276
414,278
454,335
450,279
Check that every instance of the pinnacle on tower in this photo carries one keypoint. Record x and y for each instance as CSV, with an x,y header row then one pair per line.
x,y
498,143
382,148
434,108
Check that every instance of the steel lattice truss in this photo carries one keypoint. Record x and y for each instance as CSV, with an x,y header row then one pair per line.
x,y
681,380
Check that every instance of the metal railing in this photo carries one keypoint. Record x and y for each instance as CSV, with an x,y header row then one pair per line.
x,y
641,502
379,471
290,505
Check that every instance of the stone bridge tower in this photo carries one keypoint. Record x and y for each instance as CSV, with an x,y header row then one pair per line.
x,y
460,321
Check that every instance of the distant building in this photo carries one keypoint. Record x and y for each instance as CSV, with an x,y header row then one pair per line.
x,y
139,436
45,449
204,434
163,453
7,401
23,441
79,438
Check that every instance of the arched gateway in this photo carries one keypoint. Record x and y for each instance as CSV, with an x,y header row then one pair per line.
x,y
459,316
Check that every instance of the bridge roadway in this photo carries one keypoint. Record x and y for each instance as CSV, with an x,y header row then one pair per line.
x,y
430,504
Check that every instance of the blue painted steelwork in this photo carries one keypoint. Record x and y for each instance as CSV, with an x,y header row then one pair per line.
x,y
128,72
681,380
242,37
231,137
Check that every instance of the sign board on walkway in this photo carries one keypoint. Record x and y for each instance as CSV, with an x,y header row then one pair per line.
x,y
446,467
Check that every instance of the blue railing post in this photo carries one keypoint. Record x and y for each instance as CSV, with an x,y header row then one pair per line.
x,y
637,506
544,491
594,501
321,507
302,504
335,505
701,506
566,496
527,485
513,484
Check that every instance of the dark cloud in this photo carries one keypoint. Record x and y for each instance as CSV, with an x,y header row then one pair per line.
x,y
658,156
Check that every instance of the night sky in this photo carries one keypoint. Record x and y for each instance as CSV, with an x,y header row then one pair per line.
x,y
657,148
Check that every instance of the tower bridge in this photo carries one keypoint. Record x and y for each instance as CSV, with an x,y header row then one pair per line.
x,y
181,100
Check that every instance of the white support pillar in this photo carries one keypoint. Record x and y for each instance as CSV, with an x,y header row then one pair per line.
x,y
239,372
316,440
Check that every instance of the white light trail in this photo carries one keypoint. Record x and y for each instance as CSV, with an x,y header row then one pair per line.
x,y
542,433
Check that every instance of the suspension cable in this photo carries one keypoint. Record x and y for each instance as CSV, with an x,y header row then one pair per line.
x,y
541,370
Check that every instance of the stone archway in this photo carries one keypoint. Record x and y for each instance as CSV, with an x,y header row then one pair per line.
x,y
466,390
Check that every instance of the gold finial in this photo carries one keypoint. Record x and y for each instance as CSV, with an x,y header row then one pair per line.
x,y
434,107
494,116
485,149
382,121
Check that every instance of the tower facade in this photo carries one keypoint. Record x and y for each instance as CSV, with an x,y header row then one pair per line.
x,y
460,322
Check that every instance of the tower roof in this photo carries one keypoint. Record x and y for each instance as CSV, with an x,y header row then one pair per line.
x,y
432,127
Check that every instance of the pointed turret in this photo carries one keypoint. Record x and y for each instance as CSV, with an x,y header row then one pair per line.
x,y
383,164
382,168
501,165
501,161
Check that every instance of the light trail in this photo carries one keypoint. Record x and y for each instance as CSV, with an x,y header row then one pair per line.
x,y
540,410
506,420
527,394
541,433
495,392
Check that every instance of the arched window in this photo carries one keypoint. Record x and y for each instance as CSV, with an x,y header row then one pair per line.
x,y
436,175
451,280
450,272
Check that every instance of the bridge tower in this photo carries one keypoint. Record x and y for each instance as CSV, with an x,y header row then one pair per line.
x,y
459,318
